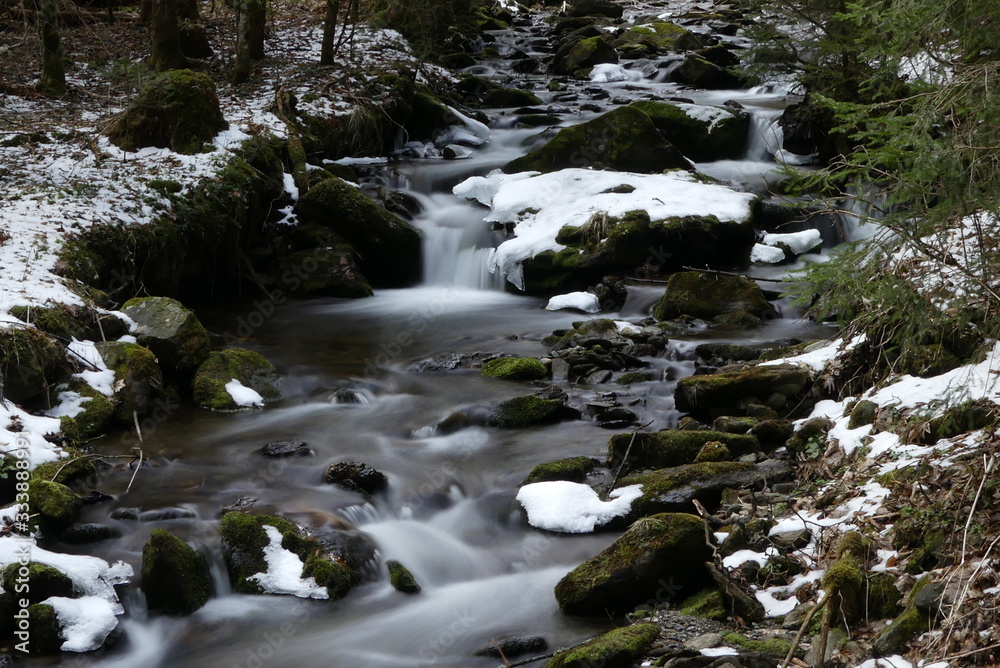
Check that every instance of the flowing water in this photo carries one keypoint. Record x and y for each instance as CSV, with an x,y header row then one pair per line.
x,y
450,514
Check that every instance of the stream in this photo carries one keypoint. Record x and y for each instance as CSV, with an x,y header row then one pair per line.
x,y
349,391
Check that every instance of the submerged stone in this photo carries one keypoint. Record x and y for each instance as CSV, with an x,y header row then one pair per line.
x,y
175,576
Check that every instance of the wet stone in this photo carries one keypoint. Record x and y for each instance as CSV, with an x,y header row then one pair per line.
x,y
514,646
357,477
164,514
131,514
286,449
80,534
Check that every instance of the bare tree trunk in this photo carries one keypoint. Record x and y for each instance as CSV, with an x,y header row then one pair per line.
x,y
329,32
167,53
187,9
241,68
145,11
257,10
53,79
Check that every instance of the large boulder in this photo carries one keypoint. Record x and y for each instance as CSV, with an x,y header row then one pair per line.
x,y
54,505
175,577
584,54
658,37
173,332
702,133
623,140
515,368
667,448
178,110
250,368
390,248
29,364
245,539
530,411
321,264
731,392
609,245
675,489
698,72
96,410
708,296
573,469
659,558
138,379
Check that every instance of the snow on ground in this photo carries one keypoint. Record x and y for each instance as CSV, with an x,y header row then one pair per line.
x,y
798,242
284,571
608,72
542,204
581,301
766,254
571,507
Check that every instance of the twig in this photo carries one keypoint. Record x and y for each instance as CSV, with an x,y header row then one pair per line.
x,y
802,631
614,481
138,431
524,662
731,273
503,656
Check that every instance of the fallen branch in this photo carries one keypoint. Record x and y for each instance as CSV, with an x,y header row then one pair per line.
x,y
802,630
614,481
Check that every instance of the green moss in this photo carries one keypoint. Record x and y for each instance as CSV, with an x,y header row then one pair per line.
x,y
660,487
633,377
904,628
56,505
660,36
707,604
246,366
966,417
333,575
580,54
510,97
525,412
172,331
45,635
57,320
664,547
713,451
664,449
29,363
725,392
401,578
97,410
42,582
178,110
700,140
883,596
73,471
844,580
622,139
243,543
619,648
709,296
574,469
862,414
928,360
175,577
164,186
138,379
515,368
777,647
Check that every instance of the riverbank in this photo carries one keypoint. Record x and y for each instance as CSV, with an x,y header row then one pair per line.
x,y
799,487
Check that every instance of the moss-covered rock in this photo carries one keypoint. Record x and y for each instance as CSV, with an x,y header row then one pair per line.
x,y
243,543
670,447
138,379
844,580
526,412
401,578
178,110
700,132
657,37
46,636
390,248
710,395
633,377
56,505
37,582
810,438
173,332
573,469
29,363
904,628
67,321
97,409
250,368
713,451
75,471
608,8
583,54
619,648
505,98
515,368
675,489
775,647
708,296
707,604
659,558
623,139
698,72
325,272
175,576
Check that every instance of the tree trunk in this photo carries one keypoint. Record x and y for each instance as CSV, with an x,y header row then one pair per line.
x,y
329,32
241,68
53,79
166,37
145,11
257,10
188,9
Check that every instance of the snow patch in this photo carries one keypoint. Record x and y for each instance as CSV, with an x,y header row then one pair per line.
x,y
581,301
84,622
284,571
243,395
608,72
571,507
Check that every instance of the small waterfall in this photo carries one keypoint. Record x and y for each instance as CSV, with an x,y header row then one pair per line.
x,y
765,135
